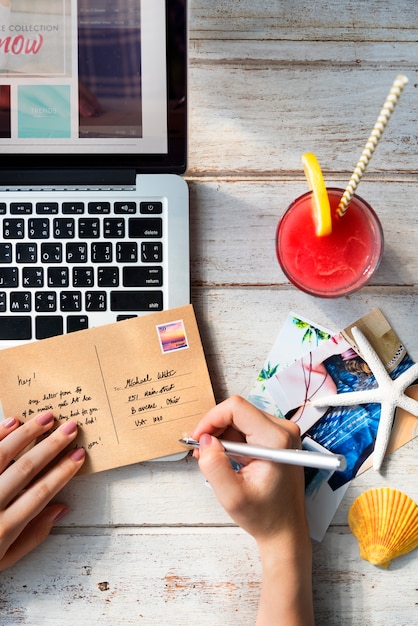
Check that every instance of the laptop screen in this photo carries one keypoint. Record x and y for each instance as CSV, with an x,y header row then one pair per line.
x,y
93,83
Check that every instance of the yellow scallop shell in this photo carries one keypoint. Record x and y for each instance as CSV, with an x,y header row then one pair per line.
x,y
385,523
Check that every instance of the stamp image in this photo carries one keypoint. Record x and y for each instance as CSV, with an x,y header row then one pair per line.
x,y
172,336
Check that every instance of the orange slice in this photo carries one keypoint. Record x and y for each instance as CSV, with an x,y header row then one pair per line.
x,y
322,209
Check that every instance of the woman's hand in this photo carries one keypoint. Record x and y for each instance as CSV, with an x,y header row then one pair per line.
x,y
267,500
29,484
264,498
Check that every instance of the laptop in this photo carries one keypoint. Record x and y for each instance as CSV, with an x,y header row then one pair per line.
x,y
93,141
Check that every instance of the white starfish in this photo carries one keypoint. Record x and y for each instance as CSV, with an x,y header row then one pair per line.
x,y
389,394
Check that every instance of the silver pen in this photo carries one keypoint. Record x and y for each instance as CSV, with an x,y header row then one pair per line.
x,y
306,458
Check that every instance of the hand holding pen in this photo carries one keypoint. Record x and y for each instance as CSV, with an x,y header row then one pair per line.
x,y
238,420
265,499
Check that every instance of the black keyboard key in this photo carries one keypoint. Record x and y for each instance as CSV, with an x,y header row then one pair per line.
x,y
20,208
48,326
47,208
127,252
13,229
99,208
101,252
76,253
83,277
70,301
64,228
72,208
5,252
15,327
33,277
145,228
9,277
108,276
96,301
45,301
3,303
77,322
151,208
142,276
51,253
114,228
26,253
38,228
152,252
58,277
3,208
136,300
20,302
125,208
89,228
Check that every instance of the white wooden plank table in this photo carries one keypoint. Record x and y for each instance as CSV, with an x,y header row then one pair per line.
x,y
149,544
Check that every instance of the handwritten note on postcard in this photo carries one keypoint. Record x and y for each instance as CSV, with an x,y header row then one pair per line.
x,y
134,387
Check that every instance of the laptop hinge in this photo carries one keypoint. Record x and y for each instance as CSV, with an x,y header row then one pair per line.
x,y
104,178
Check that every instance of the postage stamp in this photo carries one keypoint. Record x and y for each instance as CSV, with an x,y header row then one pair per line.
x,y
172,336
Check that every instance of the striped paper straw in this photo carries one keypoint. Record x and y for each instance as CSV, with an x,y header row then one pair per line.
x,y
370,147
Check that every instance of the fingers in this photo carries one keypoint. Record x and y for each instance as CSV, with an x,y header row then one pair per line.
x,y
16,519
264,498
217,469
21,473
7,426
256,426
231,488
29,483
213,461
19,438
35,532
231,412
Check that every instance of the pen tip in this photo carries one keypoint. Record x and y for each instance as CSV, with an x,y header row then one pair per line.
x,y
188,441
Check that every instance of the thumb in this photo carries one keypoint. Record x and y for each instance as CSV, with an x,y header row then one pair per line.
x,y
217,469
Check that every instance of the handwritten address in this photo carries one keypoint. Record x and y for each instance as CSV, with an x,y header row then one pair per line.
x,y
150,398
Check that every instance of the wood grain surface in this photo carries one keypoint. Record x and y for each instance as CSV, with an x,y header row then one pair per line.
x,y
269,80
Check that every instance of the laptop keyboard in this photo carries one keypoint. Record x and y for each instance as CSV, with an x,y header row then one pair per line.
x,y
70,265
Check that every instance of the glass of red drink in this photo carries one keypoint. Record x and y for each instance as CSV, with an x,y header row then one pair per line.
x,y
336,264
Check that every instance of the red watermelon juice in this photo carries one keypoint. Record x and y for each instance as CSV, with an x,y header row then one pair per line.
x,y
335,264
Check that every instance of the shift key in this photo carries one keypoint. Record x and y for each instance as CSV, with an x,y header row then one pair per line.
x,y
136,300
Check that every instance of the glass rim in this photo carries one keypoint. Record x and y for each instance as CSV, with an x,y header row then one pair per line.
x,y
362,279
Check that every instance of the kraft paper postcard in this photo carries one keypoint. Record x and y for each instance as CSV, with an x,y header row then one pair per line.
x,y
326,363
135,387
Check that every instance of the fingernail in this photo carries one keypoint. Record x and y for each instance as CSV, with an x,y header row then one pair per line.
x,y
61,514
9,422
78,454
69,428
45,418
205,441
